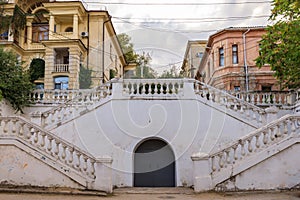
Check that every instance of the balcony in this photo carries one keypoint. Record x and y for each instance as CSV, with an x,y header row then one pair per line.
x,y
61,68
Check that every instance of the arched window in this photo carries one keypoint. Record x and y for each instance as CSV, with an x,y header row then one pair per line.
x,y
69,29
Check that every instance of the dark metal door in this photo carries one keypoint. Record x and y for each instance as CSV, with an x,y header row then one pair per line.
x,y
154,165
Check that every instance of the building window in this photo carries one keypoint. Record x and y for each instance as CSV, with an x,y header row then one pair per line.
x,y
221,57
69,29
237,88
40,32
235,54
266,88
61,83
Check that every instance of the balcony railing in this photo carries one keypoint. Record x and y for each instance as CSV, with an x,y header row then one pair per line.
x,y
61,68
268,98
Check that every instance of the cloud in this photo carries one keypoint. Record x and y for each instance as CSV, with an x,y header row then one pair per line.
x,y
169,37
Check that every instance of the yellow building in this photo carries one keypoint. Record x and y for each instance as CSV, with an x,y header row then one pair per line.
x,y
192,57
62,36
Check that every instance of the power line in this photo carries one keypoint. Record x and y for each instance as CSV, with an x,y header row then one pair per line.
x,y
178,4
211,19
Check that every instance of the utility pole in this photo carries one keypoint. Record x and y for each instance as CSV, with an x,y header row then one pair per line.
x,y
143,65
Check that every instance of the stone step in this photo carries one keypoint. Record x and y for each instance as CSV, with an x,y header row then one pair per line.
x,y
153,190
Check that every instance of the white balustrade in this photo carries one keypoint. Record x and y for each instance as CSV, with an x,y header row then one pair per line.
x,y
277,98
75,158
243,108
153,87
61,68
255,142
73,107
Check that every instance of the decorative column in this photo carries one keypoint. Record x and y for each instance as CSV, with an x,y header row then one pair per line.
x,y
51,26
74,67
202,178
29,30
49,65
10,34
75,26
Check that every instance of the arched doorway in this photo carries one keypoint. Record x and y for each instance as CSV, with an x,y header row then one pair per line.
x,y
154,164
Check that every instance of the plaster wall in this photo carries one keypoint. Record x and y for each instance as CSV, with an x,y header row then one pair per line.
x,y
117,127
20,168
280,171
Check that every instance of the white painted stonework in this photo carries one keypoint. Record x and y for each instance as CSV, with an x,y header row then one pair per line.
x,y
209,131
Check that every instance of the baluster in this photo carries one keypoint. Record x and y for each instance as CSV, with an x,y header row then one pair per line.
x,y
49,148
5,127
221,163
63,154
257,144
243,153
78,160
213,164
280,98
285,129
56,147
235,105
36,136
250,148
272,137
247,97
293,128
242,109
263,99
30,133
252,98
228,160
71,150
84,163
43,134
278,131
235,155
265,138
260,118
21,131
14,125
92,168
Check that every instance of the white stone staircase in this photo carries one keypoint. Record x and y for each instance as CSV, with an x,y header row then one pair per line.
x,y
245,153
74,104
231,105
80,104
61,155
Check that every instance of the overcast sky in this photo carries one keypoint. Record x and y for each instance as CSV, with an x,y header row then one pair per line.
x,y
163,27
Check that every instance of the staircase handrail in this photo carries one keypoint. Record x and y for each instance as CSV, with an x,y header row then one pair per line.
x,y
262,137
77,159
254,107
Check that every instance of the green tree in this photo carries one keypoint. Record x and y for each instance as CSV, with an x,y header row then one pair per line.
x,y
36,69
15,85
143,69
280,46
127,47
171,73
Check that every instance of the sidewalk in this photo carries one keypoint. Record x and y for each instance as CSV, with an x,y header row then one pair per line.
x,y
156,194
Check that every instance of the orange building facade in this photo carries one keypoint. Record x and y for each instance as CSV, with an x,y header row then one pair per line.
x,y
228,62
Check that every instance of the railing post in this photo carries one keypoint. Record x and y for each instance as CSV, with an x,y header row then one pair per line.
x,y
36,117
188,88
271,114
117,88
201,169
103,173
